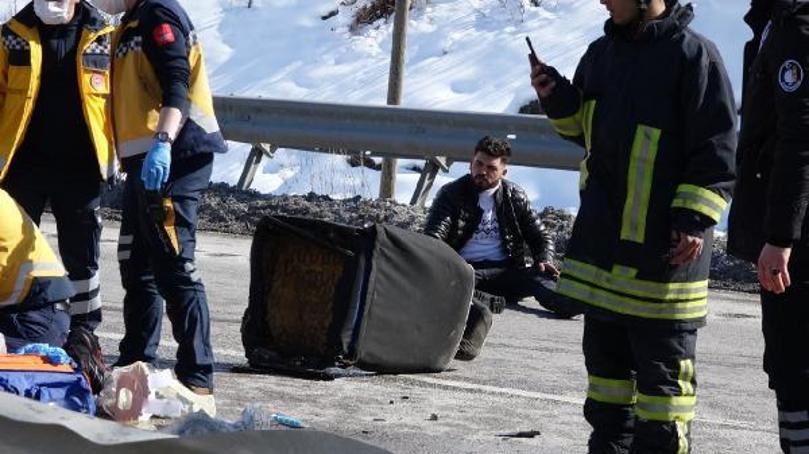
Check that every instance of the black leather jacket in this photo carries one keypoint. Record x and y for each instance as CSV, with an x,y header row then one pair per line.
x,y
455,215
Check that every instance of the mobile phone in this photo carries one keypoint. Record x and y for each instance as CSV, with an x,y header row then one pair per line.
x,y
533,55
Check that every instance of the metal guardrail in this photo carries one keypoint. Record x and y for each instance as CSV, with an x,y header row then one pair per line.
x,y
387,131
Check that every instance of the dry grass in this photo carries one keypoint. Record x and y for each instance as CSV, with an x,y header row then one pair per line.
x,y
372,12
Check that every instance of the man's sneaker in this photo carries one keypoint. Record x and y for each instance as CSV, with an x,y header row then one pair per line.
x,y
82,345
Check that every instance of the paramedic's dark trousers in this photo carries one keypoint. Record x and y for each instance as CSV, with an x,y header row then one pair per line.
x,y
41,318
785,322
75,202
642,387
156,256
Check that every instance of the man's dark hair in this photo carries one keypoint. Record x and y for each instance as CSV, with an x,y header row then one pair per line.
x,y
496,148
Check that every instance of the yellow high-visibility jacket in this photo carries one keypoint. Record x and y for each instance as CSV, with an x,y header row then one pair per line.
x,y
138,94
20,72
24,255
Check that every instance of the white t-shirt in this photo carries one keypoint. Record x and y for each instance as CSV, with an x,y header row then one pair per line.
x,y
486,243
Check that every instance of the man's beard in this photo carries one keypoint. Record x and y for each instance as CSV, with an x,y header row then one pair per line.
x,y
483,184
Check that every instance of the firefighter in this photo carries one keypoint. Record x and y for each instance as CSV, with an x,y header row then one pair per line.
x,y
55,131
652,106
768,218
33,283
166,134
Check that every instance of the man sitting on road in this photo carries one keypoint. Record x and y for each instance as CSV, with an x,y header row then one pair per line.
x,y
33,283
489,221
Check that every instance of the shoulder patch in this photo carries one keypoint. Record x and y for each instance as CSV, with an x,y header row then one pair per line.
x,y
790,76
163,35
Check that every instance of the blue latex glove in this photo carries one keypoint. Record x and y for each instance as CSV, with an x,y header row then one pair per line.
x,y
55,355
156,167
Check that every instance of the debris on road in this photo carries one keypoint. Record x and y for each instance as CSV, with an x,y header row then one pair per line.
x,y
433,417
521,434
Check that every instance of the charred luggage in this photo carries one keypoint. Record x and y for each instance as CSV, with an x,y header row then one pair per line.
x,y
381,298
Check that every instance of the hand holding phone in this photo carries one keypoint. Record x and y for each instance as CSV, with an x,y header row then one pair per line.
x,y
542,76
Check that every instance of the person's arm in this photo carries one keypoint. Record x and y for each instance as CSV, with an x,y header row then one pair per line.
x,y
709,118
439,218
788,191
165,46
534,232
562,100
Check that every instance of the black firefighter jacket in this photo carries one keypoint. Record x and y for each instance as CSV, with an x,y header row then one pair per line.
x,y
455,215
773,157
654,109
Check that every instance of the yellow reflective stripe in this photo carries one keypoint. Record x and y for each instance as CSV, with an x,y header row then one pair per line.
x,y
630,306
568,126
27,272
635,287
666,408
700,200
624,271
169,224
611,391
682,437
588,112
639,183
686,377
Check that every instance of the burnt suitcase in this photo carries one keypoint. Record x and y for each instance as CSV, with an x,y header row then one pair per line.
x,y
380,298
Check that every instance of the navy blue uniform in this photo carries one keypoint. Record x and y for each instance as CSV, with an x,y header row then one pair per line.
x,y
770,202
157,46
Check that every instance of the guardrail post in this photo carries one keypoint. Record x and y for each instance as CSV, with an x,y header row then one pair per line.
x,y
427,178
387,183
257,153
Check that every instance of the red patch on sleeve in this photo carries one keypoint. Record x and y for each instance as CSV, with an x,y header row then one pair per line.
x,y
163,35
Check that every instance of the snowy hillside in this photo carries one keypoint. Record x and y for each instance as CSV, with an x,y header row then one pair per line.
x,y
462,55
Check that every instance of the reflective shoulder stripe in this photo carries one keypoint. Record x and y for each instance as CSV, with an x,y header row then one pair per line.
x,y
700,200
666,408
639,183
611,391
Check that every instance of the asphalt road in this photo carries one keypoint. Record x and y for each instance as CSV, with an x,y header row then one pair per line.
x,y
530,376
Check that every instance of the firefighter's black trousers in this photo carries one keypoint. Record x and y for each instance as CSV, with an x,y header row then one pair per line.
x,y
642,387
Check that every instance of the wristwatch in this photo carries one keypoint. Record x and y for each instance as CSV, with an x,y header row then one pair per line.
x,y
163,136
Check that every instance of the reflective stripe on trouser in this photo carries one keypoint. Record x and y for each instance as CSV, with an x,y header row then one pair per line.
x,y
150,269
75,200
793,427
785,324
641,387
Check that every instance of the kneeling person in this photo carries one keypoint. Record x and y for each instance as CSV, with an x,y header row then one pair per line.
x,y
33,283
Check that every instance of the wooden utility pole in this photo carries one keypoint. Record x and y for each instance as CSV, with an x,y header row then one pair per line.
x,y
387,184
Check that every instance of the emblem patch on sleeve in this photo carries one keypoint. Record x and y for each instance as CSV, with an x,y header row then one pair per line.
x,y
790,76
163,35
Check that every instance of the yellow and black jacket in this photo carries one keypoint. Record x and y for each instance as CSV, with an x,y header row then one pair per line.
x,y
20,79
654,109
25,256
157,63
